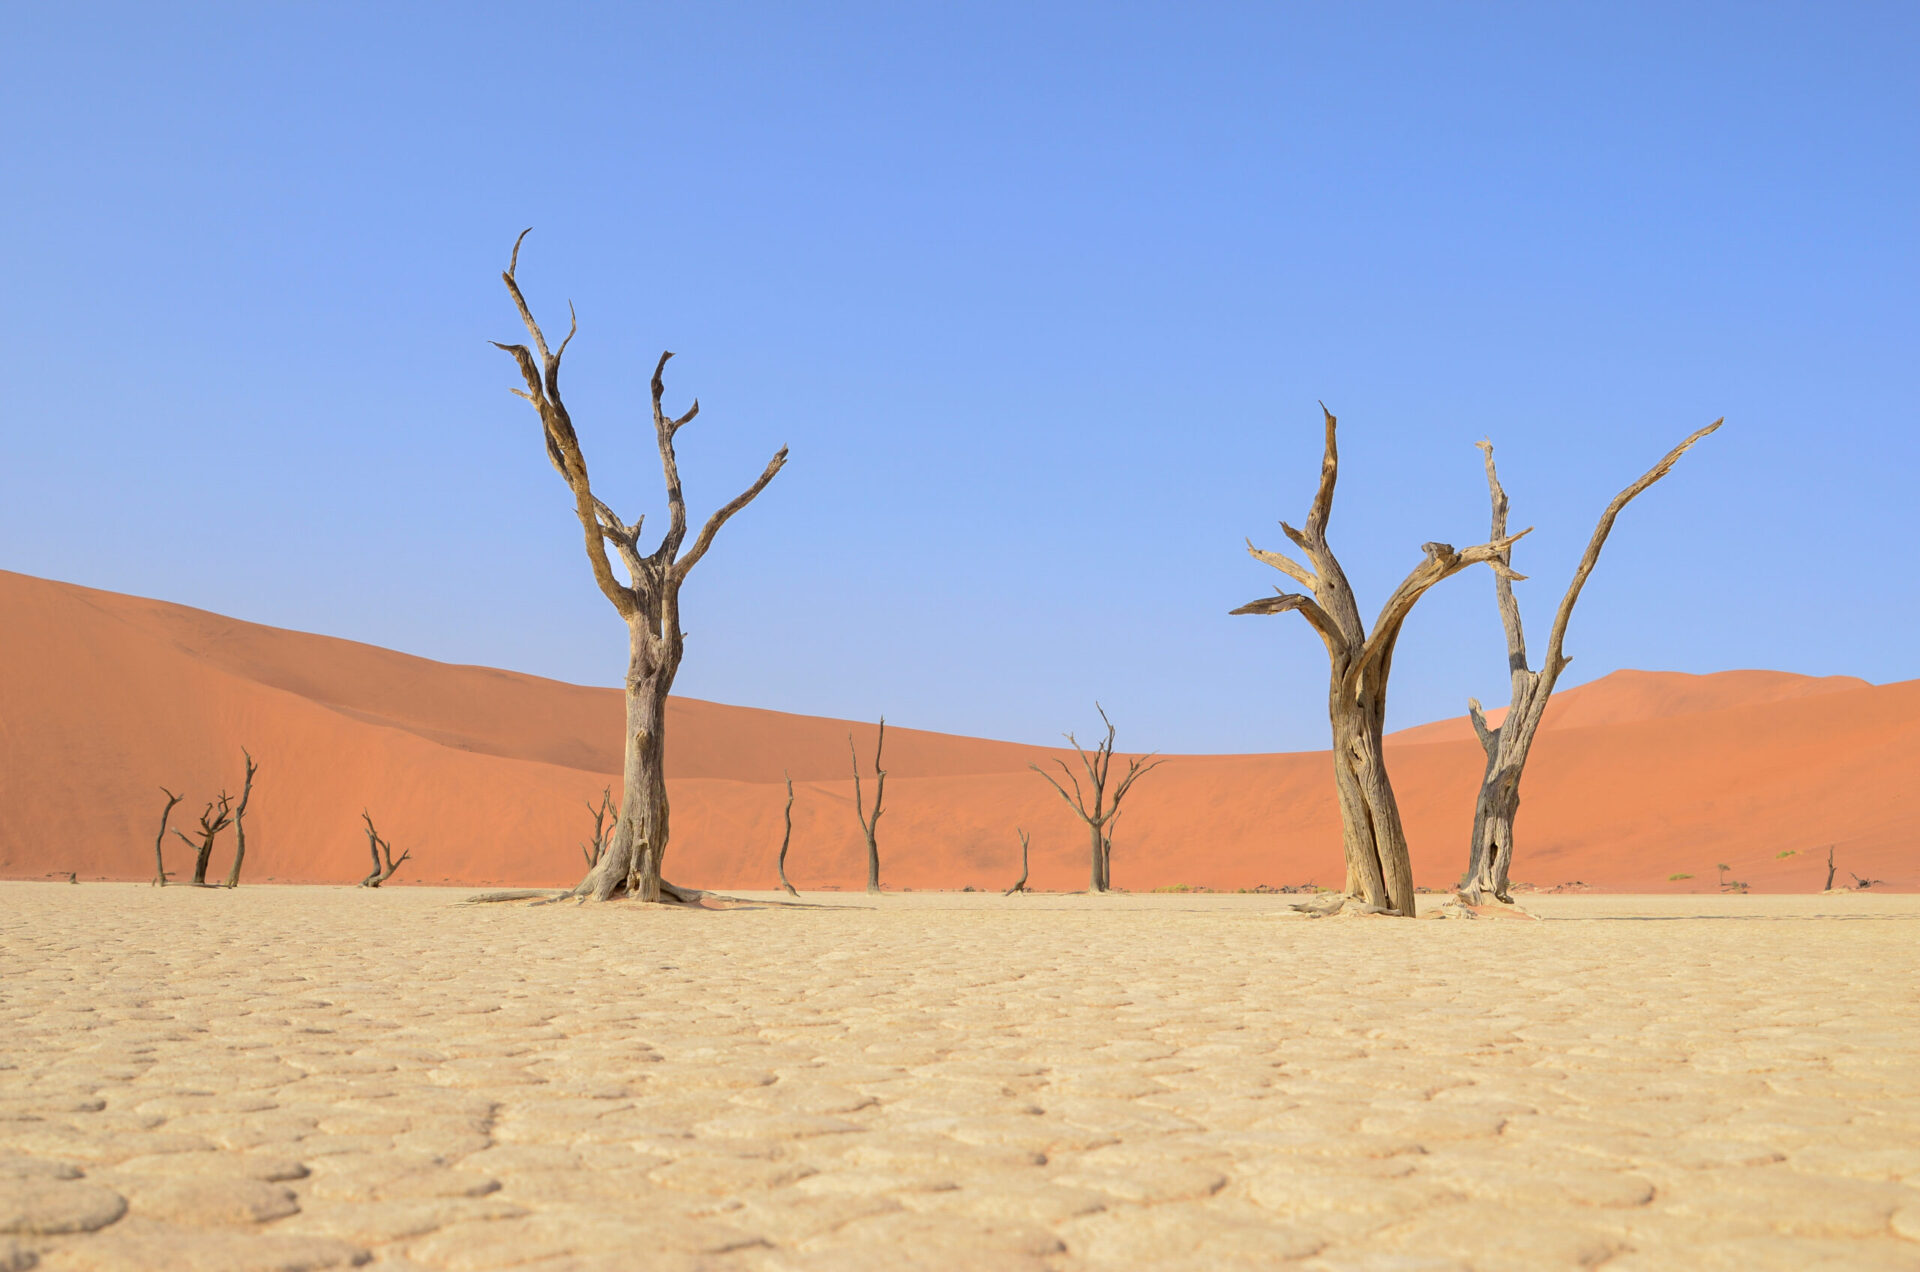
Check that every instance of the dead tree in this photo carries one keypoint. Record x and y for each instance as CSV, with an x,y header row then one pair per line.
x,y
649,604
1829,863
1379,870
160,840
786,837
1020,884
1100,816
382,871
1507,746
240,822
212,822
868,824
600,828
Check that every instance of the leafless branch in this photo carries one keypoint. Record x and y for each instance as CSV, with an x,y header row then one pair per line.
x,y
382,871
159,840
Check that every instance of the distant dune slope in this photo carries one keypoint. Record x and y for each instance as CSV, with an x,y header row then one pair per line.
x,y
483,774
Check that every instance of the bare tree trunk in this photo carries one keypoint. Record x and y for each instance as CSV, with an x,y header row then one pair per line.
x,y
211,824
1490,853
1379,866
870,824
1020,884
1100,815
240,822
649,602
382,871
1830,869
786,837
159,841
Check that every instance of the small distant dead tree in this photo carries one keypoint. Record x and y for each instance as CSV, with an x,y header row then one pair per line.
x,y
787,836
1507,747
868,823
649,604
1102,813
160,840
600,828
212,822
382,871
1864,884
1020,884
240,821
1379,869
1829,863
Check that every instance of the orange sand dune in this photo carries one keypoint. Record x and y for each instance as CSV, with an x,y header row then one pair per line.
x,y
483,774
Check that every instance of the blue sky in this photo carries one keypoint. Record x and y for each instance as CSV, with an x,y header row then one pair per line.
x,y
1041,297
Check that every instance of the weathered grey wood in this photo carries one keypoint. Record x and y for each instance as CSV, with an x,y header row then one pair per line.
x,y
160,841
211,824
1100,817
382,871
786,837
1020,884
649,603
868,824
1490,854
1379,867
240,822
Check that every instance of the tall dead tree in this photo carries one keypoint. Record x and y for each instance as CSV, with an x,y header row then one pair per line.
x,y
1379,869
212,822
786,838
382,870
1100,816
240,822
869,823
1507,746
649,603
160,841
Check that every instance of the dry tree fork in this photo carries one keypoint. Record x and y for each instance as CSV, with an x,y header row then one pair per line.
x,y
376,845
1020,884
600,827
211,824
869,824
649,604
1101,816
1379,870
1507,746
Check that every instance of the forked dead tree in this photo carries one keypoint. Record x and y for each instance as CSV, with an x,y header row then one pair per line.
x,y
1100,816
1508,745
1379,869
649,604
160,841
786,837
240,822
600,828
382,870
1020,884
869,823
212,822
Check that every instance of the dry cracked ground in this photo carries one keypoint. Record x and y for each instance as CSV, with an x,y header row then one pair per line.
x,y
294,1078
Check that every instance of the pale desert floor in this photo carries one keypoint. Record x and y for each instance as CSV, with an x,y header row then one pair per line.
x,y
291,1078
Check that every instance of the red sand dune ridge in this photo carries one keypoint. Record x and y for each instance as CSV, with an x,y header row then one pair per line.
x,y
483,774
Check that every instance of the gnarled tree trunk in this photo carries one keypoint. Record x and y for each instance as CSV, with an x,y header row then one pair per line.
x,y
649,603
1490,856
1379,866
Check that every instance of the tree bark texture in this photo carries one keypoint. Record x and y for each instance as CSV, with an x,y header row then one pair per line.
x,y
240,822
869,825
1490,852
160,841
1379,866
1091,805
648,602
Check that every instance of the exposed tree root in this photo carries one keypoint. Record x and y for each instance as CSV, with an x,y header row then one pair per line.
x,y
1335,904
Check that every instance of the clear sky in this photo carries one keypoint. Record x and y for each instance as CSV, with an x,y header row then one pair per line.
x,y
1041,296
